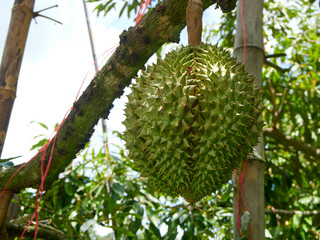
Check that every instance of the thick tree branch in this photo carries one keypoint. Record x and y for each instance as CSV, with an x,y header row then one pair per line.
x,y
44,231
162,24
287,141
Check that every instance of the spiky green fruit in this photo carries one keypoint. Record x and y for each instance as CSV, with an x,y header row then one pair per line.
x,y
191,120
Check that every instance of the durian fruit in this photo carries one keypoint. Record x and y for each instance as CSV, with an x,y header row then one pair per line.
x,y
191,120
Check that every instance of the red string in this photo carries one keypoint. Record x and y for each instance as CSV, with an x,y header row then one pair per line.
x,y
242,174
106,54
143,7
238,202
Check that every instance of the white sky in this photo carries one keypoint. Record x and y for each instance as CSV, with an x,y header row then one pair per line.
x,y
55,62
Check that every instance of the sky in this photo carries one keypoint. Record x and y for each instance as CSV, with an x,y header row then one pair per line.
x,y
56,60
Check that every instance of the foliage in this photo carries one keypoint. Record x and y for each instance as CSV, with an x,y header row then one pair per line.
x,y
291,96
105,191
101,190
129,6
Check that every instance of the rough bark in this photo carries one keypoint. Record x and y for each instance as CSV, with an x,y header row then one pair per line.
x,y
44,231
22,13
253,183
162,24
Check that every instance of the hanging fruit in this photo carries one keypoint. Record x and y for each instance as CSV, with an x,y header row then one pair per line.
x,y
192,118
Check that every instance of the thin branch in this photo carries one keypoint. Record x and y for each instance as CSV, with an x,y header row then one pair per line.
x,y
292,212
286,90
288,142
275,66
273,100
275,55
54,6
56,21
36,14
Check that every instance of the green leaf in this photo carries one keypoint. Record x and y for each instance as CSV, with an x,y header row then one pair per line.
x,y
6,164
155,230
8,159
117,188
39,144
296,221
88,224
68,188
41,124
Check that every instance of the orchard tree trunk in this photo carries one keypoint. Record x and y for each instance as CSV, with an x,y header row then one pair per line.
x,y
253,183
22,13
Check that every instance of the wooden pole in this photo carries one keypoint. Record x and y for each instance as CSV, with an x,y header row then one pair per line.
x,y
194,22
22,13
4,205
249,37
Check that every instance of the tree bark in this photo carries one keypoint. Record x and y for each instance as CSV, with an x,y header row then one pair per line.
x,y
44,231
4,205
162,24
22,13
253,183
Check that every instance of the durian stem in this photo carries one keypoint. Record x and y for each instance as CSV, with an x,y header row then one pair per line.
x,y
194,22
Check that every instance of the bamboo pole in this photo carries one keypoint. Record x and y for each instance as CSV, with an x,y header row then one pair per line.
x,y
253,185
22,13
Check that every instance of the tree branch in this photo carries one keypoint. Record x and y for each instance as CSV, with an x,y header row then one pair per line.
x,y
44,231
273,100
275,66
162,24
287,141
292,212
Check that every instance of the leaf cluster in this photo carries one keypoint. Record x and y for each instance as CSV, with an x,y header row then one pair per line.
x,y
105,192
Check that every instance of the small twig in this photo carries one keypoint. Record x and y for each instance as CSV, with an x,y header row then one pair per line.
x,y
54,6
36,14
286,90
282,70
56,21
275,55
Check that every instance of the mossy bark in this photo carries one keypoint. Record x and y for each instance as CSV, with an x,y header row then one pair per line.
x,y
163,24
